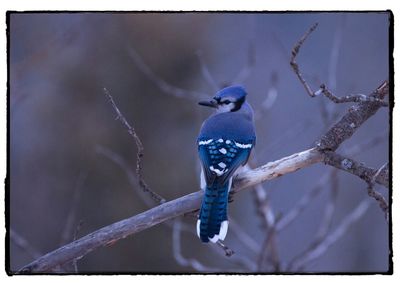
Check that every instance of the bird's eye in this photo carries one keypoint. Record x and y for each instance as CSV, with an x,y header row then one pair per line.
x,y
226,101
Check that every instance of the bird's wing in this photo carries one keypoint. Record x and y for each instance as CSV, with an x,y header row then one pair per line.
x,y
220,158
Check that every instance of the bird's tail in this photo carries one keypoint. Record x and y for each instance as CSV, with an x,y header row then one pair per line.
x,y
212,224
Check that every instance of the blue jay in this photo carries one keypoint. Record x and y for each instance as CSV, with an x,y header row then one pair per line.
x,y
224,144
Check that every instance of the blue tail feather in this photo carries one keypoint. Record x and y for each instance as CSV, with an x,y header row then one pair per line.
x,y
213,211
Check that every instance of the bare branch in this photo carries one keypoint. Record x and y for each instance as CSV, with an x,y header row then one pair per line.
x,y
323,89
295,66
350,97
377,196
356,168
164,212
140,150
352,120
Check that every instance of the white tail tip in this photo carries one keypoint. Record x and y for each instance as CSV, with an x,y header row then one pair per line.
x,y
223,230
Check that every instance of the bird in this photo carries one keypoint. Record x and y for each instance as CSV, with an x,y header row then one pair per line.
x,y
225,142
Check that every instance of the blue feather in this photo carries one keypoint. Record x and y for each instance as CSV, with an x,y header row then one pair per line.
x,y
213,211
220,159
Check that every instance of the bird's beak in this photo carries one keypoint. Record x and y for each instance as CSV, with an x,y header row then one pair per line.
x,y
212,103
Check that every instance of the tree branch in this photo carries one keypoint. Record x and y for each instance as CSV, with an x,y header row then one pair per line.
x,y
323,89
169,210
356,168
352,120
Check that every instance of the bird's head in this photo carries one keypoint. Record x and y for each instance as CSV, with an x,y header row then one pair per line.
x,y
229,99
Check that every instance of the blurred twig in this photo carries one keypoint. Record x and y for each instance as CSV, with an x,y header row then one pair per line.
x,y
269,246
327,218
269,99
67,233
132,178
245,72
179,258
206,73
366,144
334,58
24,245
163,85
315,251
140,150
246,239
302,204
77,230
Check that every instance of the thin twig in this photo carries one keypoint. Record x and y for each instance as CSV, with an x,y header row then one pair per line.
x,y
159,199
377,196
350,97
323,89
295,66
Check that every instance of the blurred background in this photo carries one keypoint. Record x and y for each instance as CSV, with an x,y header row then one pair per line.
x,y
72,164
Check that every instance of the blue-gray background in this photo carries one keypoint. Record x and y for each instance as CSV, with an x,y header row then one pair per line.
x,y
59,115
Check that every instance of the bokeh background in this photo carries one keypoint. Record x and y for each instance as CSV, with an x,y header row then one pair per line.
x,y
65,140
